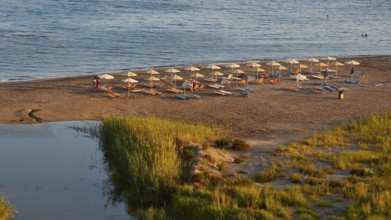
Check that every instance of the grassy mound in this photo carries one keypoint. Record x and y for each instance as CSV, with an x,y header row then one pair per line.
x,y
345,171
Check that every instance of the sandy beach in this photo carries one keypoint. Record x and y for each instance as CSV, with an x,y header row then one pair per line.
x,y
269,111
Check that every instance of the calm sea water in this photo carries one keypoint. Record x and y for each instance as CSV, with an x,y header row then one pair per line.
x,y
51,171
50,38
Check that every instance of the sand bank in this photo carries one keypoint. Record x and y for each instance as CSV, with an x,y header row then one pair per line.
x,y
268,111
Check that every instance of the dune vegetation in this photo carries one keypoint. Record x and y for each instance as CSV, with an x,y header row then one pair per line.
x,y
341,173
6,209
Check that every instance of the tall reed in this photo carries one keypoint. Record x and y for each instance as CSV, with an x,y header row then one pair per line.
x,y
142,154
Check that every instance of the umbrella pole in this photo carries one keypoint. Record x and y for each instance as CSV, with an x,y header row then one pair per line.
x,y
128,89
311,67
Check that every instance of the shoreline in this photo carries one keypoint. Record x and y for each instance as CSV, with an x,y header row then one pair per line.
x,y
269,112
137,69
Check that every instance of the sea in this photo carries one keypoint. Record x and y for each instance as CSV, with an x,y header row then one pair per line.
x,y
56,38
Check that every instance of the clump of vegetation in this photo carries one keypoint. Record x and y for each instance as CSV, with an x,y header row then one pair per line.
x,y
270,173
239,144
6,209
239,160
295,178
361,150
142,154
223,142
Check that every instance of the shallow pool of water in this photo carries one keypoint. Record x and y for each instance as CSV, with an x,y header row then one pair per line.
x,y
54,171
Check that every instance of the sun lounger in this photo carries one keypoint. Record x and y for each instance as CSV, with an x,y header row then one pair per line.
x,y
233,77
216,86
297,71
196,96
130,86
219,93
180,97
292,89
156,92
317,76
319,91
173,90
113,95
149,85
226,92
354,81
332,76
210,80
274,81
320,83
137,90
245,93
105,89
330,88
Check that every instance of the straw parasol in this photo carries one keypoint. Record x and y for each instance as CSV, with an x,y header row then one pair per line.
x,y
105,77
330,59
336,64
313,60
322,65
217,73
213,67
254,65
238,71
151,79
352,63
129,81
291,62
273,64
192,68
175,78
259,70
301,66
152,72
171,70
131,74
197,75
232,66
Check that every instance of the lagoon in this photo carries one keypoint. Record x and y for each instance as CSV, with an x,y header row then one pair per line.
x,y
55,171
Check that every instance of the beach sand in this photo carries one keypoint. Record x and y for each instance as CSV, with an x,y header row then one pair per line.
x,y
270,110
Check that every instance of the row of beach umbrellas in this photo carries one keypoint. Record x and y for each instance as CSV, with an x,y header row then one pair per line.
x,y
234,69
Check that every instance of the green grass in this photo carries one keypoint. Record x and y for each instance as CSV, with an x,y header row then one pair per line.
x,y
143,154
6,210
145,157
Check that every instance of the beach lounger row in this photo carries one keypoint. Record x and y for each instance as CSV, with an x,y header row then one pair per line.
x,y
188,96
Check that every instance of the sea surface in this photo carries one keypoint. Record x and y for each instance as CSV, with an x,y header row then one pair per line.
x,y
52,38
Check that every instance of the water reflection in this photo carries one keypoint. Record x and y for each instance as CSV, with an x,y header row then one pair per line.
x,y
55,171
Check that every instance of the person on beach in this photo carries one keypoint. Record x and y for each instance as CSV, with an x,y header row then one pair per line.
x,y
352,71
97,84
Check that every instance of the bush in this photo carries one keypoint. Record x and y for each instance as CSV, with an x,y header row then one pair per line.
x,y
238,160
239,144
362,172
222,142
267,174
295,178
